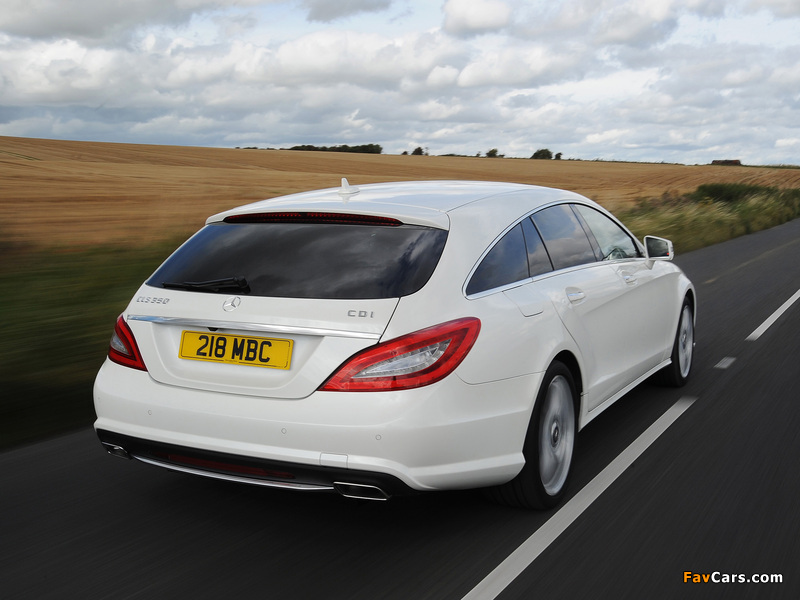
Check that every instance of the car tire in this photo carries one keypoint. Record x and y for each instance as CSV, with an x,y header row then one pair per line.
x,y
548,448
677,373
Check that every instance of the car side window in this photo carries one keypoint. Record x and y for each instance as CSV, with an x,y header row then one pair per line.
x,y
615,243
505,263
538,260
563,236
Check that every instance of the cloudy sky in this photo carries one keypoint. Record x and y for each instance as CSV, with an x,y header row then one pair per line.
x,y
682,81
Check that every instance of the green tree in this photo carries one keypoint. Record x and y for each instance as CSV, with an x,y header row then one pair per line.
x,y
418,151
543,153
492,153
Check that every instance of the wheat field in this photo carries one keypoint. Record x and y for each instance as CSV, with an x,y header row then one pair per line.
x,y
70,193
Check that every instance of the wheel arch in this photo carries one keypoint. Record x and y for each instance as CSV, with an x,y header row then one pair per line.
x,y
569,360
686,291
689,295
531,487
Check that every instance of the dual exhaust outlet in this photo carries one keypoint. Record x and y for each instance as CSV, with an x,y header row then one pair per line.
x,y
357,491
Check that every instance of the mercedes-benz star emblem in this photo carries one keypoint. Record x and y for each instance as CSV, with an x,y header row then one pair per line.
x,y
231,303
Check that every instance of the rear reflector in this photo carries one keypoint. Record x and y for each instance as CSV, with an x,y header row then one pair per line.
x,y
223,467
411,361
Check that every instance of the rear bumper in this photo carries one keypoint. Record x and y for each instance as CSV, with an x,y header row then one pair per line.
x,y
449,435
256,471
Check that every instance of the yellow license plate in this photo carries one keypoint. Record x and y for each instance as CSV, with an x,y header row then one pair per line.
x,y
236,349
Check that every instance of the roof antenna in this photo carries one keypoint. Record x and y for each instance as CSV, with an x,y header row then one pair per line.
x,y
347,190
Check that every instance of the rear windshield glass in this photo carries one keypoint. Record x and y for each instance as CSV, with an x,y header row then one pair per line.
x,y
305,260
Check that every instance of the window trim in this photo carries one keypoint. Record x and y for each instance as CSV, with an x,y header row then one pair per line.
x,y
592,241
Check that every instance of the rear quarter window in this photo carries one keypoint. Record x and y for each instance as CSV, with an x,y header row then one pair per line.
x,y
518,255
505,263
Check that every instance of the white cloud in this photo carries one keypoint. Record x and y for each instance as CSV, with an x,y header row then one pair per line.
x,y
636,24
472,17
611,136
327,10
518,65
101,20
781,8
441,77
673,80
369,59
788,143
437,110
751,75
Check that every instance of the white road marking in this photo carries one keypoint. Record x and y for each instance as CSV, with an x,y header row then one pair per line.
x,y
725,362
773,317
518,561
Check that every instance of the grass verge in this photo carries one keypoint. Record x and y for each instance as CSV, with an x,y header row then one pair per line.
x,y
58,307
712,214
57,312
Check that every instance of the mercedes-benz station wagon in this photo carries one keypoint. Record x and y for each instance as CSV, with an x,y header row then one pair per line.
x,y
392,338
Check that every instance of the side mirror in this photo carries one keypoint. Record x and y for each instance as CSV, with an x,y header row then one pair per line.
x,y
657,248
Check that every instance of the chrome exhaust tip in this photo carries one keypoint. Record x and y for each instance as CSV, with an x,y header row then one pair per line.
x,y
115,450
360,491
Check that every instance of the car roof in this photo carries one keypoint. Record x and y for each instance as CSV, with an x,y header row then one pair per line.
x,y
413,202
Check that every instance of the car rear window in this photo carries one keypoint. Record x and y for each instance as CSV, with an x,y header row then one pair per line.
x,y
307,260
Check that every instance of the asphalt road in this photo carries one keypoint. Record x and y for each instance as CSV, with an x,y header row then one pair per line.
x,y
715,496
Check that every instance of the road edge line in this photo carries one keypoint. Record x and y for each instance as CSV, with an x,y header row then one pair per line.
x,y
761,329
508,570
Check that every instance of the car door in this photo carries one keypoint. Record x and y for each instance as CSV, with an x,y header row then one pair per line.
x,y
589,296
644,309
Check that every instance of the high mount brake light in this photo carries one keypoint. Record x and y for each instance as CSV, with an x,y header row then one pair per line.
x,y
123,349
411,361
314,217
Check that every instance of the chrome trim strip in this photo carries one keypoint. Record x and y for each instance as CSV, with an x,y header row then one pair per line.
x,y
304,487
259,327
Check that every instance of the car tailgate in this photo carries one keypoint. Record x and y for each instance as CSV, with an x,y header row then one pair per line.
x,y
271,347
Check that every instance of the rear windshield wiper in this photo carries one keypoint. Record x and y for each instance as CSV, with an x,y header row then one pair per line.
x,y
228,284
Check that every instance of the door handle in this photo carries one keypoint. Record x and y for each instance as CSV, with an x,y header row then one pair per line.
x,y
575,296
628,278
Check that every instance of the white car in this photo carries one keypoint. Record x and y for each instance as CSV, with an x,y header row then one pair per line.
x,y
392,338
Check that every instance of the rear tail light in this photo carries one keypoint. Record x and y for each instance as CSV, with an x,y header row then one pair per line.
x,y
414,360
123,349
